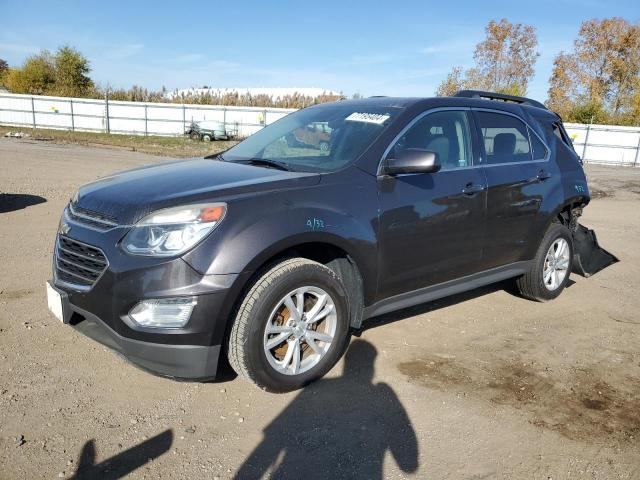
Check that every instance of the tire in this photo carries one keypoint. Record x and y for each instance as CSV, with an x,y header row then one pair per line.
x,y
194,136
262,307
206,137
544,282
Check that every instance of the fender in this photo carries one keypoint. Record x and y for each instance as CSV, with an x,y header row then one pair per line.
x,y
254,232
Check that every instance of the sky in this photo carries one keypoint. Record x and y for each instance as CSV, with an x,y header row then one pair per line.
x,y
398,48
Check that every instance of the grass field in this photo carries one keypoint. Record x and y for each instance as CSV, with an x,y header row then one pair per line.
x,y
155,145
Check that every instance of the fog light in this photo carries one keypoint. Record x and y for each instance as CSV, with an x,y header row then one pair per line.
x,y
163,312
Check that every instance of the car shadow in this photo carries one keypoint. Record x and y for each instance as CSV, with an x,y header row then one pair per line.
x,y
123,463
17,201
337,428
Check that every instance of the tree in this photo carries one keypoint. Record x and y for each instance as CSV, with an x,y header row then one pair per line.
x,y
452,84
35,77
71,70
503,62
562,84
64,73
4,69
601,75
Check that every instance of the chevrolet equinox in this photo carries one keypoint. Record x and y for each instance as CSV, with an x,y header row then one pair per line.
x,y
274,251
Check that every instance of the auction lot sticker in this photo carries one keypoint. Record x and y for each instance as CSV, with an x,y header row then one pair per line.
x,y
377,118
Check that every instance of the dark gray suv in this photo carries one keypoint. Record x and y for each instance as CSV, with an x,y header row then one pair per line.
x,y
272,252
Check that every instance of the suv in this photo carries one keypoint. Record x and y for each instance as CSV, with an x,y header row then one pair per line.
x,y
271,255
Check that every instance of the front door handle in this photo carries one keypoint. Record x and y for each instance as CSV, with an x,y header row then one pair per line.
x,y
472,188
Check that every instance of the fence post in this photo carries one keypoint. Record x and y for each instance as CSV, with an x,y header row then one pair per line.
x,y
73,124
586,142
146,130
635,160
106,112
224,118
184,118
264,117
33,113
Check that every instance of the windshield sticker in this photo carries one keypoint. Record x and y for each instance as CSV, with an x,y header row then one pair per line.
x,y
367,118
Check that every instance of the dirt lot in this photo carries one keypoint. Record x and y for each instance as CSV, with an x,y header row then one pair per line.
x,y
481,385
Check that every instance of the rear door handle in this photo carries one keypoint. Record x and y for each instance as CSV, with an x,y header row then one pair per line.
x,y
543,175
472,188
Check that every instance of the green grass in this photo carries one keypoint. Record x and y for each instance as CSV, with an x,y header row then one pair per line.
x,y
154,145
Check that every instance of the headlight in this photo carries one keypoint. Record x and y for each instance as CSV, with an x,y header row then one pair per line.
x,y
173,231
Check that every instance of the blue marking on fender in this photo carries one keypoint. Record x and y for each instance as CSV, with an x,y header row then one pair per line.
x,y
315,224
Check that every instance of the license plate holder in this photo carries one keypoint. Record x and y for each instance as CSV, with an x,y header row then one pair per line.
x,y
55,303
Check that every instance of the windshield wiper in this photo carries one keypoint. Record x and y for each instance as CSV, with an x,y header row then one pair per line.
x,y
266,163
216,155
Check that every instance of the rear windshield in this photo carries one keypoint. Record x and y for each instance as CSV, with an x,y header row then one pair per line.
x,y
318,139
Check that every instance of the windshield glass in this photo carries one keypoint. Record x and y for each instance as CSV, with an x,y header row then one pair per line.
x,y
318,139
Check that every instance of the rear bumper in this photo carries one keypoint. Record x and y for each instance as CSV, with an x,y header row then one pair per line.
x,y
188,362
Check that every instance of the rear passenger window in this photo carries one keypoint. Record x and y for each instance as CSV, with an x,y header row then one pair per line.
x,y
506,139
538,149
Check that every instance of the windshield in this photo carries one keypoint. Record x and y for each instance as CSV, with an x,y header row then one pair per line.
x,y
318,139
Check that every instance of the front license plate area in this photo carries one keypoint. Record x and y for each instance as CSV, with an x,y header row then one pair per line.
x,y
54,302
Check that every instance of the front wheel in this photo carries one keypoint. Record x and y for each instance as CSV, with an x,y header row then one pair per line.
x,y
291,327
551,267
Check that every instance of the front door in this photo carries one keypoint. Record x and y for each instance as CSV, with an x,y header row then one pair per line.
x,y
432,224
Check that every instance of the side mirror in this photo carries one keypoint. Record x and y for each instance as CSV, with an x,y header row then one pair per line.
x,y
413,160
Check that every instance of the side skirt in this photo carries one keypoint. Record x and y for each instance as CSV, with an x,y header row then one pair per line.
x,y
445,289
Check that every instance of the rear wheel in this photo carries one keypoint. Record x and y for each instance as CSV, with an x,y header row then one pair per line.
x,y
291,327
206,137
551,267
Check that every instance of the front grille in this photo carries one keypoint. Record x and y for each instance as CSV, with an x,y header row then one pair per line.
x,y
78,263
99,221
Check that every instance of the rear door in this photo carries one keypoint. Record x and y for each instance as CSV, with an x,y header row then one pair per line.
x,y
518,178
432,224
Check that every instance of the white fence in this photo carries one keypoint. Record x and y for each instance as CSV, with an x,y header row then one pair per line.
x,y
133,118
594,143
606,144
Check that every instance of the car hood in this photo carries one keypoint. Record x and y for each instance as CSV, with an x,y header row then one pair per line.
x,y
130,195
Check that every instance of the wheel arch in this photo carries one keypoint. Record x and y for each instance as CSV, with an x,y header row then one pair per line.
x,y
327,251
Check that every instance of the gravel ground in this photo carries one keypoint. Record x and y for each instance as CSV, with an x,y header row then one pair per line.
x,y
480,385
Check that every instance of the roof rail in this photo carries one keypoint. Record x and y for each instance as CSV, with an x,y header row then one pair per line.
x,y
499,96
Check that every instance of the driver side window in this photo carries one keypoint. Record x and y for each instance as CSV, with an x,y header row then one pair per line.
x,y
446,133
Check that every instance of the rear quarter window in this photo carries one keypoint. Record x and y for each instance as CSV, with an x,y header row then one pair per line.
x,y
538,149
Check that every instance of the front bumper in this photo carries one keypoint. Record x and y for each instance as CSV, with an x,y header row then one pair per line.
x,y
101,309
189,362
101,312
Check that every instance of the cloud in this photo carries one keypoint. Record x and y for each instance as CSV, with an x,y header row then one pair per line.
x,y
125,51
17,48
